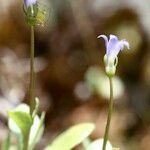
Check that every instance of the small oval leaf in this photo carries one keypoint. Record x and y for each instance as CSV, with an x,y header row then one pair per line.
x,y
72,137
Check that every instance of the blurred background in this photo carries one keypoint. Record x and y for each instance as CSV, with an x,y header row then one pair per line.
x,y
70,78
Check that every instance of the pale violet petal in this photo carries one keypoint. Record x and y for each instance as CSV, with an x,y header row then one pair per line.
x,y
112,45
105,38
118,47
29,2
111,36
124,43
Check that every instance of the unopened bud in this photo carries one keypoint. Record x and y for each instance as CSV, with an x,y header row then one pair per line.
x,y
110,65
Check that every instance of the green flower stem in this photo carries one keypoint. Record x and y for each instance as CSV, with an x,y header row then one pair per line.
x,y
26,142
31,86
32,73
110,109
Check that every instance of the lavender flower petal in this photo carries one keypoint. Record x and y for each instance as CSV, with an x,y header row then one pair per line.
x,y
112,45
125,44
118,47
105,38
29,3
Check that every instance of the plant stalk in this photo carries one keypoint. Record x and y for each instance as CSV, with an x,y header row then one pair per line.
x,y
26,142
32,73
110,109
31,86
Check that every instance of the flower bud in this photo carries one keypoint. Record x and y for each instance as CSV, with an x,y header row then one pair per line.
x,y
35,13
110,65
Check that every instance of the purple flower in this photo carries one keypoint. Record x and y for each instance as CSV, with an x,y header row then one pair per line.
x,y
113,45
29,3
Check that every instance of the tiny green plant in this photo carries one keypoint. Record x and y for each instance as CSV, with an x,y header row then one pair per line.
x,y
113,47
24,122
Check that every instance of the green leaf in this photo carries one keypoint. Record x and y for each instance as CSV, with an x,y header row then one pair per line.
x,y
72,137
23,120
19,140
98,144
23,108
14,128
6,143
36,131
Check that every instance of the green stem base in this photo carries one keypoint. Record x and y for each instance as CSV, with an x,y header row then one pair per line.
x,y
110,109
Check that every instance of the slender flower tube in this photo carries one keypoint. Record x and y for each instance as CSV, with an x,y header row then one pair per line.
x,y
29,3
113,47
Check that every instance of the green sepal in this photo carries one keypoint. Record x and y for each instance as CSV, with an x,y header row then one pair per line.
x,y
35,15
23,121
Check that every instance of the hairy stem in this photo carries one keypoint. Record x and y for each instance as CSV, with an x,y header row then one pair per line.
x,y
32,73
110,109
